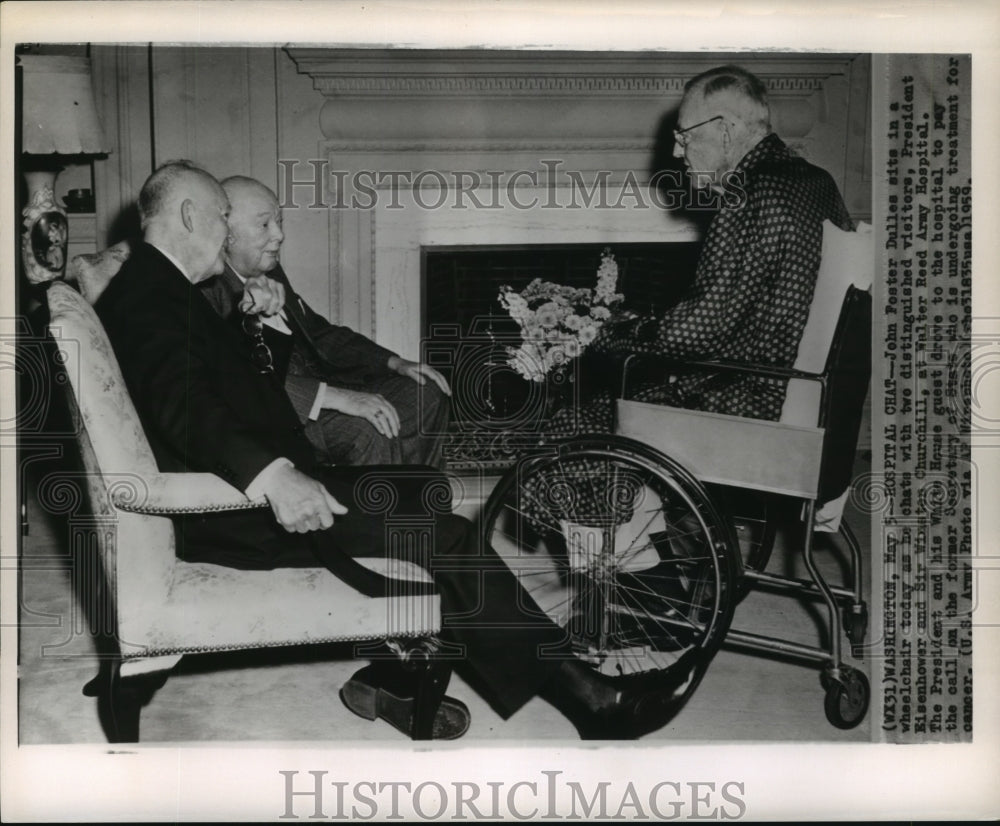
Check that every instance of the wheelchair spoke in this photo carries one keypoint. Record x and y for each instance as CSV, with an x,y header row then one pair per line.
x,y
620,550
655,644
679,560
673,603
676,561
529,518
628,554
664,626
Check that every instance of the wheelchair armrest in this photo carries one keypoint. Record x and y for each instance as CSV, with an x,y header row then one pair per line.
x,y
163,494
766,370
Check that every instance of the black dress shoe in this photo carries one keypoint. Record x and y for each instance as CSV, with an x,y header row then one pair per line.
x,y
623,708
637,712
374,692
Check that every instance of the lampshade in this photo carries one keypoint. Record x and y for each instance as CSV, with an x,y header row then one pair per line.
x,y
59,115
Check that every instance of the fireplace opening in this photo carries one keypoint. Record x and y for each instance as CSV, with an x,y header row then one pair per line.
x,y
497,414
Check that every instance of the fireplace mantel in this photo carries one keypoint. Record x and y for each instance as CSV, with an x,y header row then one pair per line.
x,y
407,94
480,111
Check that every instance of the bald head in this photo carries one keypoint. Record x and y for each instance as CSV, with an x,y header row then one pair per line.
x,y
255,233
169,185
183,211
238,187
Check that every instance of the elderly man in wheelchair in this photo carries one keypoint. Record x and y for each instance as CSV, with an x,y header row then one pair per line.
x,y
654,509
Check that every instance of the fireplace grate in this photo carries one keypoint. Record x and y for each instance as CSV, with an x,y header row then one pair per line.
x,y
496,415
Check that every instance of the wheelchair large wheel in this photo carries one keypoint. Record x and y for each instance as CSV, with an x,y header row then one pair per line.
x,y
622,548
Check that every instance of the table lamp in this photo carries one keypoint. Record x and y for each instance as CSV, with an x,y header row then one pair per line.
x,y
59,123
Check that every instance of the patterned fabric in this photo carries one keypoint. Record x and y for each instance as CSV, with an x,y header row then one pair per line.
x,y
93,272
423,423
750,298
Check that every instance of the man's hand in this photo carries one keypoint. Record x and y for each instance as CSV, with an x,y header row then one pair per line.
x,y
624,335
369,406
300,503
419,372
262,296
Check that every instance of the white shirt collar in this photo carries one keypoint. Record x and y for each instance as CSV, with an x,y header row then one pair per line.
x,y
236,272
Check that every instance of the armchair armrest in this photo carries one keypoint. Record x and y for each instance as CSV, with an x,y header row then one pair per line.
x,y
176,493
769,371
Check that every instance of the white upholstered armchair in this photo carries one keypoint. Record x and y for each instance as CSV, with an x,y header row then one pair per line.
x,y
162,608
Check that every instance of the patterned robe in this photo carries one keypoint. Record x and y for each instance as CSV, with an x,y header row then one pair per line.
x,y
750,298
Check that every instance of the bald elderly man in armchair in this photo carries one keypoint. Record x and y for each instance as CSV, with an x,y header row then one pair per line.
x,y
360,403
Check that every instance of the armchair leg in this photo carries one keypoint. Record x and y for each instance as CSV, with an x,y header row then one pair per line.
x,y
429,662
120,699
432,682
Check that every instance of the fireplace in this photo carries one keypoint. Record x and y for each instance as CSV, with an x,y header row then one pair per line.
x,y
465,332
491,160
447,120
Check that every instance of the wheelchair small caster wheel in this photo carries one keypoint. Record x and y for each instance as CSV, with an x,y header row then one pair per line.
x,y
856,623
847,697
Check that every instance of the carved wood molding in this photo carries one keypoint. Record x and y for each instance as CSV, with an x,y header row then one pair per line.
x,y
439,86
444,73
443,99
473,145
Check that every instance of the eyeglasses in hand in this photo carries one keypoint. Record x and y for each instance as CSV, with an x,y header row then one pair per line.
x,y
260,353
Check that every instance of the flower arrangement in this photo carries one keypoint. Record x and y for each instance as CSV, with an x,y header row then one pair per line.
x,y
558,322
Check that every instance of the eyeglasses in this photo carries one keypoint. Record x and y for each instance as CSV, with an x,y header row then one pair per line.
x,y
260,354
684,141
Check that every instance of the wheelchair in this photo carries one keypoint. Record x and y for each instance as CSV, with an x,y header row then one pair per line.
x,y
642,544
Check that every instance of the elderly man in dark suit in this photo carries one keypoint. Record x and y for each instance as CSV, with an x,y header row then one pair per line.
x,y
207,405
360,403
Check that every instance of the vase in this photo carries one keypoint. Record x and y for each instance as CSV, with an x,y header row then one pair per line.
x,y
46,231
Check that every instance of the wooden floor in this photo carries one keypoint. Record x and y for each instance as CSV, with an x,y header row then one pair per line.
x,y
291,695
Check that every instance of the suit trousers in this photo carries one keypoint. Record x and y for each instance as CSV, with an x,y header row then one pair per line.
x,y
350,440
502,640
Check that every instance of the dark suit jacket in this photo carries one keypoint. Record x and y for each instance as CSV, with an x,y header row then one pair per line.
x,y
203,405
322,352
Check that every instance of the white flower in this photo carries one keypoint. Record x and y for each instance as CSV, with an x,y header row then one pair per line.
x,y
557,321
607,280
528,362
516,303
534,332
556,356
547,317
